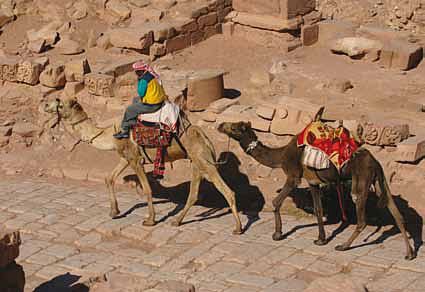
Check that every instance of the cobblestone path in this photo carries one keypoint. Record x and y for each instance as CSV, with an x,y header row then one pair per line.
x,y
67,229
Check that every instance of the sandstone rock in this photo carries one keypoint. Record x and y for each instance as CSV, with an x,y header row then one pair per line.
x,y
9,69
384,133
53,76
120,67
37,46
334,284
411,150
164,4
286,9
260,124
140,3
204,87
177,43
292,116
68,47
228,29
9,247
333,30
265,112
267,22
4,141
103,42
25,130
5,17
28,72
80,10
339,85
209,116
309,34
312,17
401,55
76,69
356,47
260,78
49,33
100,84
234,114
43,61
221,105
131,38
73,88
157,50
119,9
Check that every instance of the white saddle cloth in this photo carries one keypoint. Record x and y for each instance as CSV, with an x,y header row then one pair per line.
x,y
168,115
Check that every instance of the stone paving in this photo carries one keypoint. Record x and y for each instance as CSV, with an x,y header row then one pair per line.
x,y
67,229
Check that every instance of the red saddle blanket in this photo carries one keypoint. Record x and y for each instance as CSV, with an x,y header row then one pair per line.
x,y
337,143
154,135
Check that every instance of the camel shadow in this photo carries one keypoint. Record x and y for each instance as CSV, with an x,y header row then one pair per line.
x,y
250,200
378,217
63,283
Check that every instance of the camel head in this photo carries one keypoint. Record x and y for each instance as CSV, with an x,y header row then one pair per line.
x,y
67,109
237,131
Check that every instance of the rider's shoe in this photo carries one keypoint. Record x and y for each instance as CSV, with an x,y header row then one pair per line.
x,y
121,135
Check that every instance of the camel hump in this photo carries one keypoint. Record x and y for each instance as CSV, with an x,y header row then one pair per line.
x,y
319,114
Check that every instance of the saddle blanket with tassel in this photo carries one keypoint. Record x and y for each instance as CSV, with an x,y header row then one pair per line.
x,y
324,144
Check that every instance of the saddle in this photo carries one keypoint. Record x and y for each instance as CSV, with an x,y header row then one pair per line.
x,y
324,144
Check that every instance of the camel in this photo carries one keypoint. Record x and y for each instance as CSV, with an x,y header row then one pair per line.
x,y
363,169
197,147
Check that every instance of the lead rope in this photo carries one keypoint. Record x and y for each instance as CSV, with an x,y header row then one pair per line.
x,y
227,154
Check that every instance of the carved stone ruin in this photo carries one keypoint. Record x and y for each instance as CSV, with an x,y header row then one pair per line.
x,y
204,87
100,84
383,134
13,70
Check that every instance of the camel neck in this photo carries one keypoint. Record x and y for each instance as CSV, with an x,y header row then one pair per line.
x,y
271,157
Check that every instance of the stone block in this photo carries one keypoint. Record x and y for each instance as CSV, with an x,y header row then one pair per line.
x,y
119,67
260,124
9,247
333,30
53,76
100,84
76,69
384,133
204,87
355,47
208,19
401,55
265,112
309,34
25,129
312,17
118,9
178,43
267,22
293,8
292,116
221,105
411,150
271,7
132,38
196,37
37,46
9,69
73,88
29,72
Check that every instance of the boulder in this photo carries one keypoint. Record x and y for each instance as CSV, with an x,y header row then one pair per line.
x,y
49,33
5,17
76,69
9,247
292,116
356,47
221,105
118,9
68,46
29,72
335,283
204,87
132,38
37,46
25,130
410,150
401,55
53,76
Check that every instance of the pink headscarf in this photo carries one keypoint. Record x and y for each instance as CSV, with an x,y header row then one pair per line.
x,y
142,66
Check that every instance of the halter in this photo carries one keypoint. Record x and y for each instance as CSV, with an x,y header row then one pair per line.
x,y
251,146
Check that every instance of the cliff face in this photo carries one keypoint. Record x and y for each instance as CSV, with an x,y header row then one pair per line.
x,y
397,14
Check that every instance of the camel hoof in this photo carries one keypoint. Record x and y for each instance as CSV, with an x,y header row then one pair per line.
x,y
149,223
341,247
237,232
410,256
175,223
320,242
277,236
114,213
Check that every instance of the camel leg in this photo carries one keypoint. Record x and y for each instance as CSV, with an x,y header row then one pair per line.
x,y
229,195
193,195
318,210
410,254
359,193
110,184
277,203
150,221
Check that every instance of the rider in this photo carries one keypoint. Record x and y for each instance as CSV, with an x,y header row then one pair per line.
x,y
151,97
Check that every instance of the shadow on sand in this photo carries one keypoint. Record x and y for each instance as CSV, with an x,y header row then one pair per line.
x,y
249,198
375,216
63,283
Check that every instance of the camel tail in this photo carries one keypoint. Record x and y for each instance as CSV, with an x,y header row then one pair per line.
x,y
385,192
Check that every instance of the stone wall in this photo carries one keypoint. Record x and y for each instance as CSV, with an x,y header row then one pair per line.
x,y
285,9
